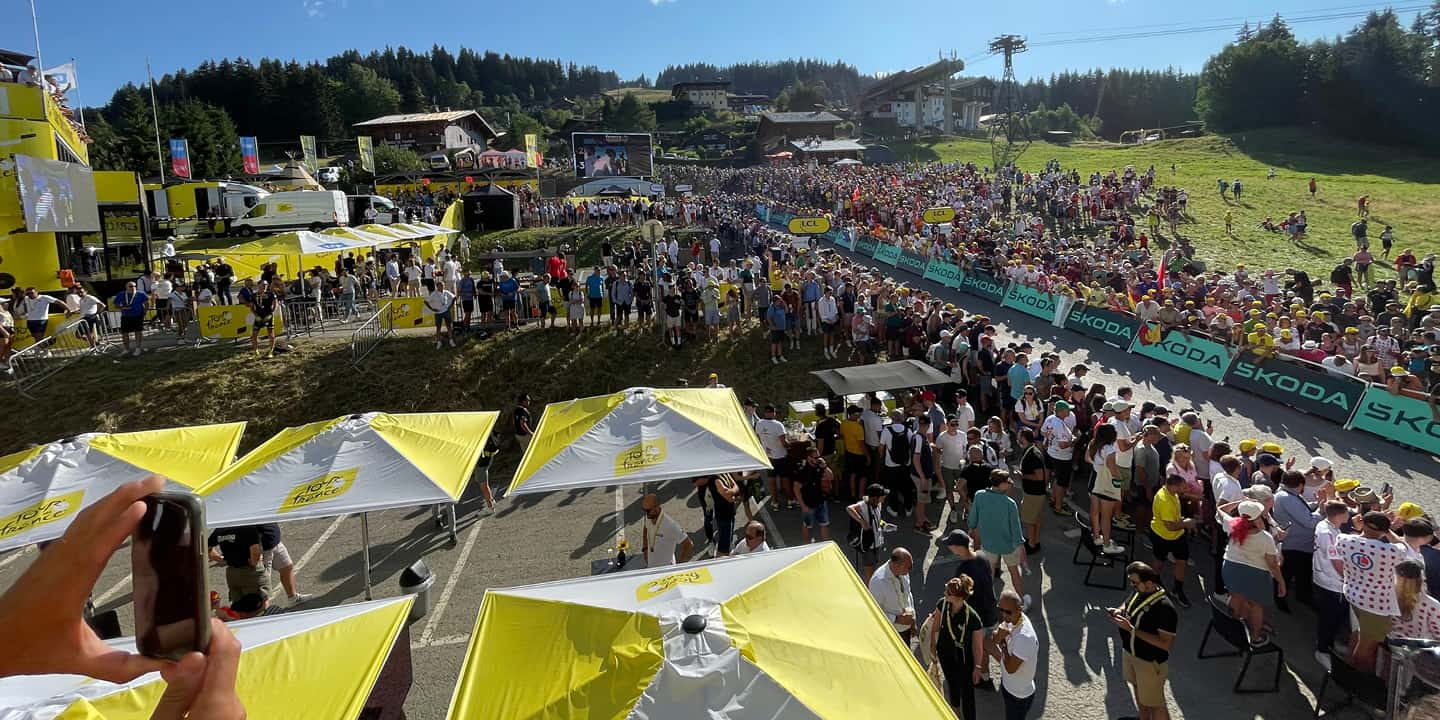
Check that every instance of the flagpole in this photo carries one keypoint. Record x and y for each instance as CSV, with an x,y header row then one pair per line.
x,y
75,81
155,115
39,60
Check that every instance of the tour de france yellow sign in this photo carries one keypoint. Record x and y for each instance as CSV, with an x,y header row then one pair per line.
x,y
809,225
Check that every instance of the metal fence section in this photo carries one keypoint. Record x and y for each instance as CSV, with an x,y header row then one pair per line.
x,y
371,333
308,316
32,366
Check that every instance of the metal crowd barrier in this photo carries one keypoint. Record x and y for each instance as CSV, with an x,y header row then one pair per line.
x,y
371,333
308,316
32,366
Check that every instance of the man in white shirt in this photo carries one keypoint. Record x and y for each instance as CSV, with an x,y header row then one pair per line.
x,y
829,309
662,540
1058,432
950,442
37,312
963,410
163,289
439,303
715,249
1331,609
772,438
873,420
890,586
1017,648
754,539
452,273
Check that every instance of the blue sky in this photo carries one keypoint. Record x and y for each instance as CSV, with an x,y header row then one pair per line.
x,y
110,38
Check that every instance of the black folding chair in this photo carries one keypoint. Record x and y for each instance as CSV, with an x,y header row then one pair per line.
x,y
1095,559
1232,630
1364,689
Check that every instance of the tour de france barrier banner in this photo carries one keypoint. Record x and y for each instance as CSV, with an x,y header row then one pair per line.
x,y
1030,301
1199,355
1305,387
887,253
865,246
983,284
1105,325
228,322
945,273
1398,418
910,262
408,312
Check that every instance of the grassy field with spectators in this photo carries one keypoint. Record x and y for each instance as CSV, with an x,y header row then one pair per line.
x,y
1404,190
406,373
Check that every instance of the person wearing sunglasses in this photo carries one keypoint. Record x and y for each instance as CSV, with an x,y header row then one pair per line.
x,y
1016,647
1147,622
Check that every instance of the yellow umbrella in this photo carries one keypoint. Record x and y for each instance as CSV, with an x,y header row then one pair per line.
x,y
786,635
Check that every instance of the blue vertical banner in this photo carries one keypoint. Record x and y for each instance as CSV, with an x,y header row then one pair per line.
x,y
180,157
250,155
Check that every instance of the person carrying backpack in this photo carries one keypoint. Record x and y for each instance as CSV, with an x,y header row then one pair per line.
x,y
895,447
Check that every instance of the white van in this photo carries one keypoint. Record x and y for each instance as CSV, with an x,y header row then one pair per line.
x,y
384,209
294,210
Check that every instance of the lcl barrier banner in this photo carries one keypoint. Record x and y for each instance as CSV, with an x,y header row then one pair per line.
x,y
222,322
911,263
1030,301
865,246
1303,386
1398,418
945,273
887,253
1108,326
983,284
1199,355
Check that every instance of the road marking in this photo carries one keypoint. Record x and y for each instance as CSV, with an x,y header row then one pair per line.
x,y
309,554
114,590
772,528
450,583
16,555
460,639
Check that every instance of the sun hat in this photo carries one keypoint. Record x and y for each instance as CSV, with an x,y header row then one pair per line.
x,y
1320,463
1345,485
1273,448
1409,510
1251,509
1248,444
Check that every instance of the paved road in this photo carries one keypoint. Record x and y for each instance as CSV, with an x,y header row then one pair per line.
x,y
534,539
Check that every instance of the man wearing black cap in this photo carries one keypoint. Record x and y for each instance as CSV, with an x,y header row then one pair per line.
x,y
867,529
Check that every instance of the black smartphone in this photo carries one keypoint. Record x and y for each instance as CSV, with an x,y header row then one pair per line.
x,y
167,562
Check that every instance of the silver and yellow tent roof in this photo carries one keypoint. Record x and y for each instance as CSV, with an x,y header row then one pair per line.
x,y
735,638
317,665
638,435
354,463
41,489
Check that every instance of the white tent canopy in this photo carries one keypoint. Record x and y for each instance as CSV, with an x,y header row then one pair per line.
x,y
638,435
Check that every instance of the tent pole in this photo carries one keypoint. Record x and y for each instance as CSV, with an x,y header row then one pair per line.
x,y
365,551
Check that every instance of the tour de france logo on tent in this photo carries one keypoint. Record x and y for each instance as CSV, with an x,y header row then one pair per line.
x,y
659,586
44,512
329,486
648,453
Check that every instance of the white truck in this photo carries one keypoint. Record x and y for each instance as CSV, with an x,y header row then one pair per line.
x,y
294,210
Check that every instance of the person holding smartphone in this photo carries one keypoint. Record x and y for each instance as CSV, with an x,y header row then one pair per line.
x,y
43,612
1147,623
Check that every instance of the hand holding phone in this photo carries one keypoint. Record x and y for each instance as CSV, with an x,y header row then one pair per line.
x,y
167,560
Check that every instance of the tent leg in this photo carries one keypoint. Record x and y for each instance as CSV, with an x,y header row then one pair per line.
x,y
450,517
365,551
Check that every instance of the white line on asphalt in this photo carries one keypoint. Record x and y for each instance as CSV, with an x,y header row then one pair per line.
x,y
309,553
16,555
773,529
450,584
460,639
114,590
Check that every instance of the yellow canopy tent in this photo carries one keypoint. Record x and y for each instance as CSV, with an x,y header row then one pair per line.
x,y
41,489
293,252
381,241
638,435
318,665
734,637
427,244
351,464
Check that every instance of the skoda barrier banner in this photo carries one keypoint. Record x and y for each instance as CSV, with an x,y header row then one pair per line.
x,y
1199,355
1398,418
887,253
1030,301
1304,387
865,246
983,284
945,273
1111,327
911,263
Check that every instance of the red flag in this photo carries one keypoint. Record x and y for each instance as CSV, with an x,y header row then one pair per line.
x,y
855,196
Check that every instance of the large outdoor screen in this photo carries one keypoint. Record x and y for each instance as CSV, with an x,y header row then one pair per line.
x,y
599,155
57,196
